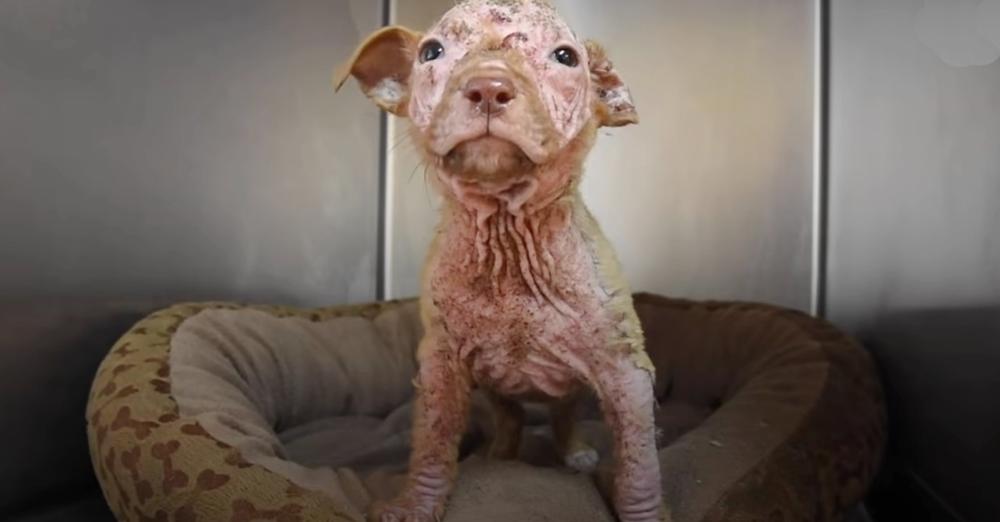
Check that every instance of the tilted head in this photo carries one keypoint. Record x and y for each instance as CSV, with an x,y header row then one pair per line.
x,y
497,90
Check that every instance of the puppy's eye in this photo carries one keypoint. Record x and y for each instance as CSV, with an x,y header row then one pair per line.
x,y
430,51
566,56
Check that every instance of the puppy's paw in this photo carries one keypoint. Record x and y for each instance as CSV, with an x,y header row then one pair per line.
x,y
583,459
644,512
400,511
652,517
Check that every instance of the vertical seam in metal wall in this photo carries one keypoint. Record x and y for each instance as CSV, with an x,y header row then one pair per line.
x,y
383,185
821,159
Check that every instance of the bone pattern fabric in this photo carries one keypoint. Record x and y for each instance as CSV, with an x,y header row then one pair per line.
x,y
219,412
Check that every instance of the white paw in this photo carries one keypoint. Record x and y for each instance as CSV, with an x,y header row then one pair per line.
x,y
583,460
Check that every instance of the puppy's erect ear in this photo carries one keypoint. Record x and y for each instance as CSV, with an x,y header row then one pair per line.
x,y
614,101
382,66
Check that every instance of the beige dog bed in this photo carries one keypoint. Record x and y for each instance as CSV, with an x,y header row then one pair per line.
x,y
208,412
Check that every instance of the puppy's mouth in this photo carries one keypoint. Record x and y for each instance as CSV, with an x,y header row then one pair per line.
x,y
487,158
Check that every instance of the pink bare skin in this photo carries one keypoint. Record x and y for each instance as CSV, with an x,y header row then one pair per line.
x,y
522,294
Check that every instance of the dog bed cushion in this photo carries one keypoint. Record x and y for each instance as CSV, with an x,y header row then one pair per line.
x,y
215,411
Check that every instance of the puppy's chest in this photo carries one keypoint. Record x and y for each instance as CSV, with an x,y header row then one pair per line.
x,y
521,302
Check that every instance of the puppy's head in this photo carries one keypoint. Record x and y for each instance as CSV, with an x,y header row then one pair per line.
x,y
496,90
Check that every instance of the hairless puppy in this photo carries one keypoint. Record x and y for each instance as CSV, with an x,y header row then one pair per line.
x,y
522,293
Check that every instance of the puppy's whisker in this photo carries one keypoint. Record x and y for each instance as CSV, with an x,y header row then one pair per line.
x,y
416,167
427,185
404,139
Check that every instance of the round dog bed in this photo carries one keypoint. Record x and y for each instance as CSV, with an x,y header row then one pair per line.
x,y
220,412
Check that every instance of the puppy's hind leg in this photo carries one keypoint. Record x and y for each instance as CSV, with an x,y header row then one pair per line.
x,y
576,453
508,420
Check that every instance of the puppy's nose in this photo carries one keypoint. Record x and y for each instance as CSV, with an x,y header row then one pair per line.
x,y
491,94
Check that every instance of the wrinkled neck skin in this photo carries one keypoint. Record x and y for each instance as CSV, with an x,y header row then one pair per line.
x,y
526,196
530,236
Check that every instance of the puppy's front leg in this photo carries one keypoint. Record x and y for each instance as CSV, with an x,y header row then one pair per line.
x,y
439,418
626,394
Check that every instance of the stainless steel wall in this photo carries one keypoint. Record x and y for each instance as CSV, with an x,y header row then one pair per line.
x,y
711,196
914,251
185,149
915,167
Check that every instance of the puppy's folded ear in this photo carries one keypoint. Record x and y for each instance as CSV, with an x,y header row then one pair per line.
x,y
382,66
614,101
